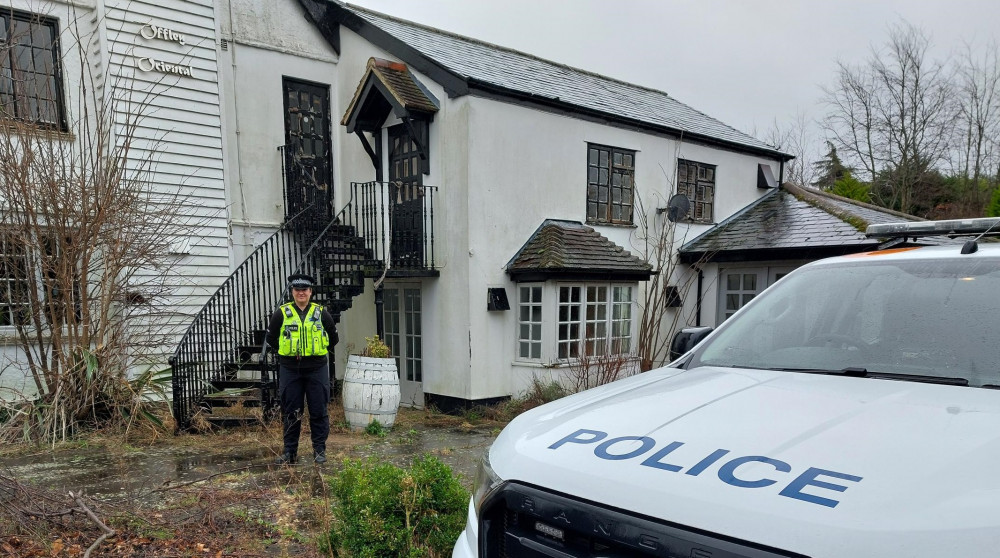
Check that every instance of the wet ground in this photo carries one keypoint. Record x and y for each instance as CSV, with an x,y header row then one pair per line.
x,y
183,495
129,471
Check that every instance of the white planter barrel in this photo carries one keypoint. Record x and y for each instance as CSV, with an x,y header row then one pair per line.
x,y
371,391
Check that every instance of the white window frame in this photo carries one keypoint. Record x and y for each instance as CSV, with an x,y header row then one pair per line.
x,y
765,276
577,316
14,297
530,321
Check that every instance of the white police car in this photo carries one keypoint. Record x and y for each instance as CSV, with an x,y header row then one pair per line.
x,y
850,411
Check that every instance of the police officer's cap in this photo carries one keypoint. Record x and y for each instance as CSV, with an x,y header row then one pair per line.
x,y
301,281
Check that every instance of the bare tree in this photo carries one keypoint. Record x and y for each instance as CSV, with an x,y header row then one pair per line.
x,y
661,314
85,234
795,139
891,116
975,154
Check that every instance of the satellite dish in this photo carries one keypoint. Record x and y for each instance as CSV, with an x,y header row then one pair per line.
x,y
678,207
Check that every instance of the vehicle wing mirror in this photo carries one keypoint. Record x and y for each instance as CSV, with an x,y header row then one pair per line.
x,y
685,340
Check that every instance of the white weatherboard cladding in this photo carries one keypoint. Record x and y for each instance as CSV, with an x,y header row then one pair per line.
x,y
542,175
162,58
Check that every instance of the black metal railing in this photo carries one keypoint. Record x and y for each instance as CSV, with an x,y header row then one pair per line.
x,y
396,219
232,318
382,223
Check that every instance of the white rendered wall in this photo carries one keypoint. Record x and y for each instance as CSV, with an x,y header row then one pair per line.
x,y
446,356
527,166
267,41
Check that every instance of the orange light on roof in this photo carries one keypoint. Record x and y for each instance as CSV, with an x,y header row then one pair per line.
x,y
883,252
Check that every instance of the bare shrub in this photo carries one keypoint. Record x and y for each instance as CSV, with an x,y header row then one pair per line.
x,y
590,371
85,238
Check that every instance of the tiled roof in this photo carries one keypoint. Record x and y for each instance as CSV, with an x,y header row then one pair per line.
x,y
398,81
558,248
794,220
504,69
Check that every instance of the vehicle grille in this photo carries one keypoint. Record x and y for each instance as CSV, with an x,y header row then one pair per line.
x,y
522,521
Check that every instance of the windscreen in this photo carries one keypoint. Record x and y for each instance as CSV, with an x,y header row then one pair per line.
x,y
929,317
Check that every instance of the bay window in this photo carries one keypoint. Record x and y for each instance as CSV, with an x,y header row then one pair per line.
x,y
590,319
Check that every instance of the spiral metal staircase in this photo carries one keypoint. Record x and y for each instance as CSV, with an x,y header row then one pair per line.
x,y
223,374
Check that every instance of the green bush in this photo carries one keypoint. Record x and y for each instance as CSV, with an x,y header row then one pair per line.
x,y
384,511
375,428
850,187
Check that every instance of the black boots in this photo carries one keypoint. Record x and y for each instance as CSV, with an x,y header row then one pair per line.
x,y
287,458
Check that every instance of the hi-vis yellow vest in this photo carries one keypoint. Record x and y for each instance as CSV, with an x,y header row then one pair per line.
x,y
302,339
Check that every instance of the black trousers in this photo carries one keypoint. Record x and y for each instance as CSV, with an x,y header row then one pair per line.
x,y
314,386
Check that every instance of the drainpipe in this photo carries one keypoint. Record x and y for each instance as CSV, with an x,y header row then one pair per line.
x,y
379,319
781,173
701,279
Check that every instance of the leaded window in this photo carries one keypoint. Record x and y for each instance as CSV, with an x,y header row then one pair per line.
x,y
610,184
30,82
570,311
621,320
15,296
697,182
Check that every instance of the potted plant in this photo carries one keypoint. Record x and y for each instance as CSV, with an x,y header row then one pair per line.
x,y
371,386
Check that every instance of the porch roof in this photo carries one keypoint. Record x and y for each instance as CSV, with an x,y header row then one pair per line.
x,y
570,250
387,86
794,223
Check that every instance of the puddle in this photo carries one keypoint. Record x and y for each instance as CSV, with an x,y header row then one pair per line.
x,y
132,474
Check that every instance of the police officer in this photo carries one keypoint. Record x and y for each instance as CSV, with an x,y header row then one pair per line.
x,y
303,333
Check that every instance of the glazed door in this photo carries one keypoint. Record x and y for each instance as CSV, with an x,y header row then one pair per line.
x,y
406,200
402,313
308,176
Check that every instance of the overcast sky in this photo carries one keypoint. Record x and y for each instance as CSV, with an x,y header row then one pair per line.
x,y
745,62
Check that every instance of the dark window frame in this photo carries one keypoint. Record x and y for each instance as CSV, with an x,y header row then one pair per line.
x,y
610,185
27,279
19,98
697,181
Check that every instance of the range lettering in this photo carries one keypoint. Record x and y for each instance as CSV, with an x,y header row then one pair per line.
x,y
806,486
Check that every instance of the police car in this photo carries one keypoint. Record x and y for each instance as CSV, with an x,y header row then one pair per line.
x,y
852,410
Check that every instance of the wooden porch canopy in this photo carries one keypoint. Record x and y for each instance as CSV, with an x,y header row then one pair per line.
x,y
390,88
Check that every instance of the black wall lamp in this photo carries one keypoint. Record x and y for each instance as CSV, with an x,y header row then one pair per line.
x,y
496,299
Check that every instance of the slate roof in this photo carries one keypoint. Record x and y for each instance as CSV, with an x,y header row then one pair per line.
x,y
506,72
400,83
568,248
790,223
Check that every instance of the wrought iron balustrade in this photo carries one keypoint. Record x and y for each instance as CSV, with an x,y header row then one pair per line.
x,y
382,225
396,219
232,319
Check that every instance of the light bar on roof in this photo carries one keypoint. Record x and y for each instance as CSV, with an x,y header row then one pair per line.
x,y
952,227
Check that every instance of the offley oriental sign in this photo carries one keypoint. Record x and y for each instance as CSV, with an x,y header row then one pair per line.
x,y
152,32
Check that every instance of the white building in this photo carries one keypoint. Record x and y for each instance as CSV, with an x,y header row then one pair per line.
x,y
481,178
